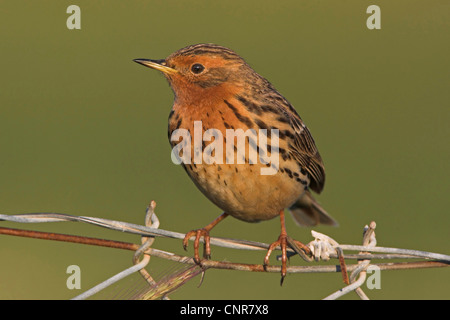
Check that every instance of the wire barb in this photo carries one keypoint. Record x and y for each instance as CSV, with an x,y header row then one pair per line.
x,y
151,220
359,272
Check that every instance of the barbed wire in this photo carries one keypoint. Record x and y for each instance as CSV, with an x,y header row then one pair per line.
x,y
322,247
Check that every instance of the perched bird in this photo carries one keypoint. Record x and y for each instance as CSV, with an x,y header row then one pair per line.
x,y
214,85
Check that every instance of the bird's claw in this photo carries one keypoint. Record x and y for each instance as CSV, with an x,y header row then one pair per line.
x,y
199,233
283,241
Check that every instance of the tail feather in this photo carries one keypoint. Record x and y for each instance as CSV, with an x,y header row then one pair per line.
x,y
306,211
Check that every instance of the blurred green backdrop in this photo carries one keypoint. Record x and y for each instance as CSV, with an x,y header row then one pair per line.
x,y
83,131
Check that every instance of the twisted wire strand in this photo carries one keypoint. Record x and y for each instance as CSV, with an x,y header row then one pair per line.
x,y
222,242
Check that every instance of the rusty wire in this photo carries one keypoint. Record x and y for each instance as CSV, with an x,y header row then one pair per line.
x,y
322,247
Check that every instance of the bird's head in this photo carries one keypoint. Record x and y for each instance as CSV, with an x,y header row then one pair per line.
x,y
202,71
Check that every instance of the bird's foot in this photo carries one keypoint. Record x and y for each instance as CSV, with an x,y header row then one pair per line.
x,y
283,242
199,233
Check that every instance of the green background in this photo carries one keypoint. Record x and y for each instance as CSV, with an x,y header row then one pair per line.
x,y
83,131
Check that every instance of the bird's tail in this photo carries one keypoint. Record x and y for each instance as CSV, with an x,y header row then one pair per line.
x,y
306,211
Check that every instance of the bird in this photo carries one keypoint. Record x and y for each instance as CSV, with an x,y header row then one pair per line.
x,y
216,90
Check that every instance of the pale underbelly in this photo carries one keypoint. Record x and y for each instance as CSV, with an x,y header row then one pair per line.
x,y
243,192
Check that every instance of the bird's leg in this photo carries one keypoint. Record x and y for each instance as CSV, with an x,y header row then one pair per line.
x,y
283,241
203,232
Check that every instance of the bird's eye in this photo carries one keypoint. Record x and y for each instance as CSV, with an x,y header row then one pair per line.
x,y
197,68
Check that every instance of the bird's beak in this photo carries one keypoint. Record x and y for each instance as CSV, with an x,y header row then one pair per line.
x,y
156,64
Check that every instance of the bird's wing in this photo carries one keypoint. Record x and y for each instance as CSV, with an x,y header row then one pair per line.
x,y
304,150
